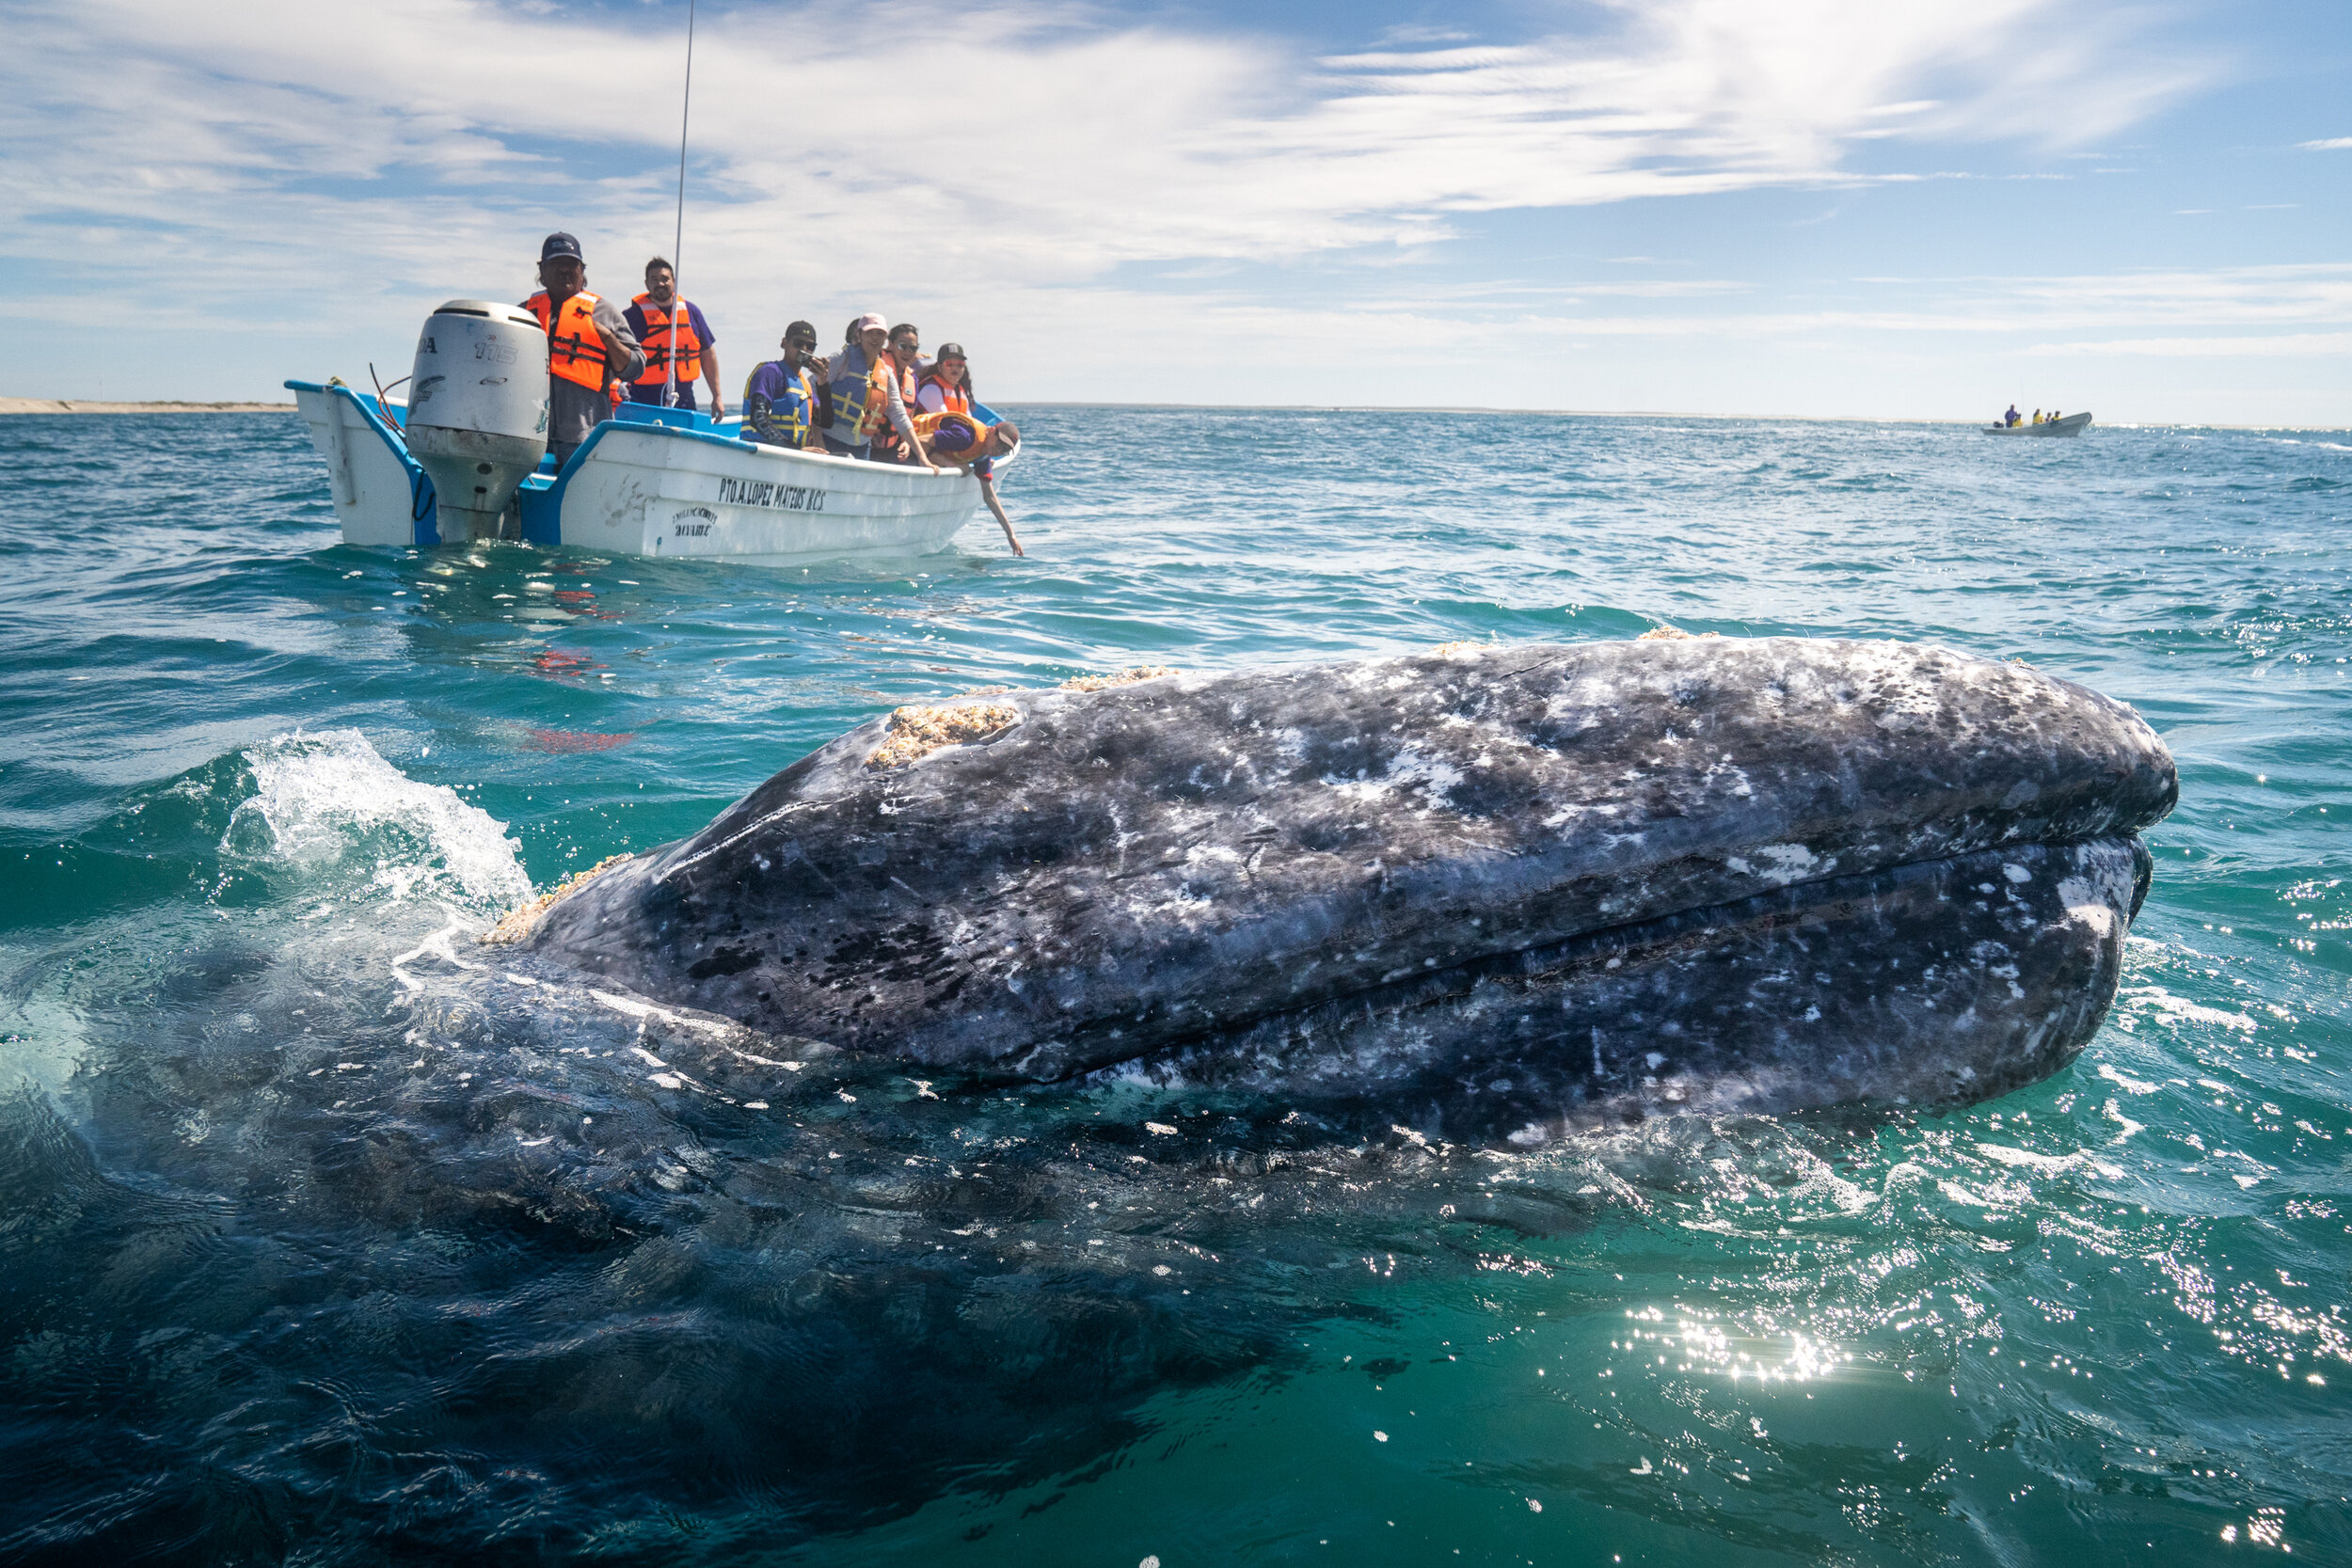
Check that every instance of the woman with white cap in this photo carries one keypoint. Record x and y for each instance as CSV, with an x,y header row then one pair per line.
x,y
863,395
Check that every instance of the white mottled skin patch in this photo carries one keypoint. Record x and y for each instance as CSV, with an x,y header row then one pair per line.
x,y
1791,863
2082,902
1411,768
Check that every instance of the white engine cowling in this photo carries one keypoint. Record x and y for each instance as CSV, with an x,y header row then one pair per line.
x,y
478,411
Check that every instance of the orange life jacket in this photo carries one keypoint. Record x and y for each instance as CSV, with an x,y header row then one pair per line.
x,y
575,347
661,327
958,399
954,435
886,438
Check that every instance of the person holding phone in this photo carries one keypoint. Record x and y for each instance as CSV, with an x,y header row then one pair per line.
x,y
780,400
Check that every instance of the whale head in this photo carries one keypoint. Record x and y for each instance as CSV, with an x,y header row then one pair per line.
x,y
1491,892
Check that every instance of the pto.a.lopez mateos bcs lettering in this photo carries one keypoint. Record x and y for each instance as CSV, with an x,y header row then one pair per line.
x,y
781,497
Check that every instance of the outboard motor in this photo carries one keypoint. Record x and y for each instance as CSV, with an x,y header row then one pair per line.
x,y
478,411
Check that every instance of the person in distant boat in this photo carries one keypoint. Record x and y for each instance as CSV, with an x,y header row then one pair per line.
x,y
780,399
590,347
2011,417
953,431
2053,418
2037,415
669,327
864,396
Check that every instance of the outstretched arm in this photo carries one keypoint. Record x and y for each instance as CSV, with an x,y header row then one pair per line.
x,y
988,494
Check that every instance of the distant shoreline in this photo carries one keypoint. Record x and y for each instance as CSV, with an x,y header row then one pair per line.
x,y
76,405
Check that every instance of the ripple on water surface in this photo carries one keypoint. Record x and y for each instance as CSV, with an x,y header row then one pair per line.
x,y
325,1231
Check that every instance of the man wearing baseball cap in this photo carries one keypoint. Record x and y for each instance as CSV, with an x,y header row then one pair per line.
x,y
590,347
780,399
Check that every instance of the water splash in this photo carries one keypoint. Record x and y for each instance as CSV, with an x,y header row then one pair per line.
x,y
328,801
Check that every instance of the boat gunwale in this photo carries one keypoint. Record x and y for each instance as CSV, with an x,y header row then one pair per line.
x,y
396,438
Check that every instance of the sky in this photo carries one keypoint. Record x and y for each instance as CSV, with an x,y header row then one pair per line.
x,y
1896,209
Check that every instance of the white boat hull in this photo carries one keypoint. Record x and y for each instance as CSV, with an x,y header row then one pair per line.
x,y
645,488
381,496
2073,424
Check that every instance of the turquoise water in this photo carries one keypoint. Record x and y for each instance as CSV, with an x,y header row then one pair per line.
x,y
306,1250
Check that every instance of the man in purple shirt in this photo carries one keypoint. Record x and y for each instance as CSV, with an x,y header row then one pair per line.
x,y
650,317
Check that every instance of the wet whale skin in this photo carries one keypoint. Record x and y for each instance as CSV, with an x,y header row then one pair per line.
x,y
1502,884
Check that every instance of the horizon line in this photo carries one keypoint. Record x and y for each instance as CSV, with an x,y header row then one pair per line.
x,y
189,406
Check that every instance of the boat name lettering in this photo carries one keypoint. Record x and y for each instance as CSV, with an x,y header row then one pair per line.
x,y
693,523
760,492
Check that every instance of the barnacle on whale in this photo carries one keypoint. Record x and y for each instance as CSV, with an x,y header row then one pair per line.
x,y
517,923
917,731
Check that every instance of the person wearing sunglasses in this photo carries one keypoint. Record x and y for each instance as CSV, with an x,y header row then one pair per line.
x,y
780,400
906,358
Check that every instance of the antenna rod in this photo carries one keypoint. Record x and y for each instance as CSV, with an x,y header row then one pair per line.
x,y
677,243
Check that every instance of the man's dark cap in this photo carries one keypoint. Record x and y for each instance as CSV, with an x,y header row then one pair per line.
x,y
560,243
800,329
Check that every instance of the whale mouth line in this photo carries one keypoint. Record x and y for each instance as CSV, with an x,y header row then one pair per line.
x,y
1594,951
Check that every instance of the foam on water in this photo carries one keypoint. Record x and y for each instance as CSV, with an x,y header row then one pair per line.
x,y
326,799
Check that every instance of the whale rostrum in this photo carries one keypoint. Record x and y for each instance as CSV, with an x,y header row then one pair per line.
x,y
1494,890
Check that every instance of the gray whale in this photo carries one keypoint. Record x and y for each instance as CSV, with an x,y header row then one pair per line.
x,y
1489,891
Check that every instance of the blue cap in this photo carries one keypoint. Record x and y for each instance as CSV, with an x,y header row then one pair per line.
x,y
560,243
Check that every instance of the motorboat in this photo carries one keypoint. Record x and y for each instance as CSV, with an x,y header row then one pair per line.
x,y
649,481
2073,424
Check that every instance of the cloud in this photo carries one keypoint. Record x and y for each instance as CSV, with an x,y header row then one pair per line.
x,y
1064,188
1410,34
2285,345
2333,144
303,151
1515,322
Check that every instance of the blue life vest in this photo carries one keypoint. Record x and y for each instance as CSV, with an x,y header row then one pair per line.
x,y
779,404
861,399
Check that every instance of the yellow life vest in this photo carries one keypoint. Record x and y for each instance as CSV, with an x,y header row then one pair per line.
x,y
952,436
860,409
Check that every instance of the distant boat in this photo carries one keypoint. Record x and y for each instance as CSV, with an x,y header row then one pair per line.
x,y
650,481
2073,424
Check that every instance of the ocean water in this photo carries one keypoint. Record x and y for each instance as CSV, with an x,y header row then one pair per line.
x,y
325,1239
